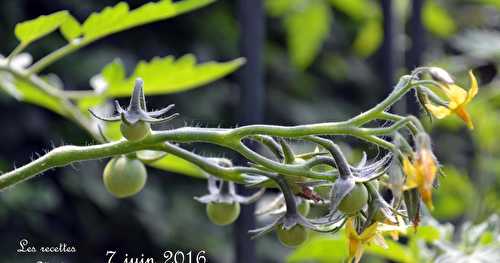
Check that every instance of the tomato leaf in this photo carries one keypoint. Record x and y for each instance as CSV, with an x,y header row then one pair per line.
x,y
118,18
31,30
437,20
71,28
307,28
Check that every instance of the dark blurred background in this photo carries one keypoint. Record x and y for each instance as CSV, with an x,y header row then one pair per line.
x,y
323,60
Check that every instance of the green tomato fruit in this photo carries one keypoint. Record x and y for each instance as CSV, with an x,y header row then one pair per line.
x,y
354,201
304,207
223,213
124,177
292,237
136,131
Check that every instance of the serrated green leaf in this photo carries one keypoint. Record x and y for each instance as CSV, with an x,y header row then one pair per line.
x,y
369,38
118,18
437,20
109,20
427,232
71,28
394,251
323,249
166,75
175,164
31,30
307,28
114,71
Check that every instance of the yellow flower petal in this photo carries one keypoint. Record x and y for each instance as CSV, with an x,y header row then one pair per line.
x,y
354,243
369,233
426,169
357,241
457,96
438,111
464,115
473,89
411,177
373,233
379,240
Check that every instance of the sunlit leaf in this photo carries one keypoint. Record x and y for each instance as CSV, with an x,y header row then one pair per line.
x,y
71,28
114,72
175,164
119,17
108,21
394,251
323,249
31,30
166,75
369,38
425,232
307,28
437,20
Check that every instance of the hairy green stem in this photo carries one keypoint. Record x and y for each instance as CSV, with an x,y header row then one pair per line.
x,y
56,55
229,138
16,51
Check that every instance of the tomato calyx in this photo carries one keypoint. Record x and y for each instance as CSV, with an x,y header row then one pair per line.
x,y
136,119
291,217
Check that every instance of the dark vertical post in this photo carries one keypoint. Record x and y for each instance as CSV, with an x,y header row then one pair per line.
x,y
390,51
251,20
388,46
416,34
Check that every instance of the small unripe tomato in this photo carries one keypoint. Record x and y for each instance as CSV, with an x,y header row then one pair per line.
x,y
292,237
124,177
223,213
136,131
304,207
354,201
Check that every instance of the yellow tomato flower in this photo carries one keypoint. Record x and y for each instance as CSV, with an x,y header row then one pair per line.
x,y
357,242
422,172
426,169
458,99
372,234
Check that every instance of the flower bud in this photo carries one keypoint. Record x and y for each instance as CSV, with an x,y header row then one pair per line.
x,y
441,75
